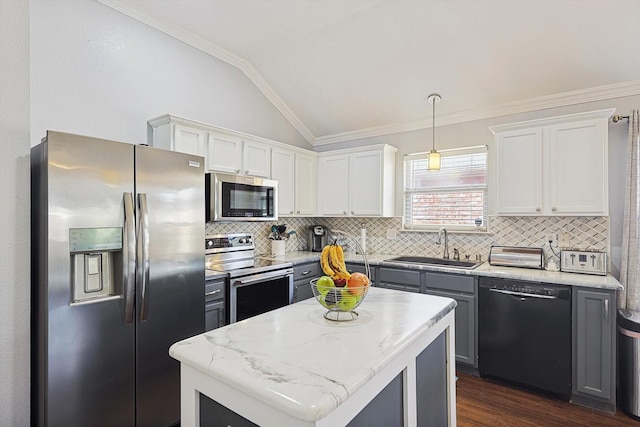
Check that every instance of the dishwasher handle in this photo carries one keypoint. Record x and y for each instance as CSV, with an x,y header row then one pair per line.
x,y
521,294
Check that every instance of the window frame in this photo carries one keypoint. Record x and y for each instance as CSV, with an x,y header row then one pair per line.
x,y
450,227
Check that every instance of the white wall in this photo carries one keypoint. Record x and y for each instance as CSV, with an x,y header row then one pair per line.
x,y
14,213
97,72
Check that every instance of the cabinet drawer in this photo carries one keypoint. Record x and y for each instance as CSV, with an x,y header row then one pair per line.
x,y
309,270
214,290
450,282
404,277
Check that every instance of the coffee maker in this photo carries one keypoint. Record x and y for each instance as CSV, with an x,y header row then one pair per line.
x,y
317,238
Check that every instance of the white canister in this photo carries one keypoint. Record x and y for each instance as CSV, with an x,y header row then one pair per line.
x,y
277,247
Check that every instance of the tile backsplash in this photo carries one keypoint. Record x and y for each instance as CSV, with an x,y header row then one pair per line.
x,y
584,233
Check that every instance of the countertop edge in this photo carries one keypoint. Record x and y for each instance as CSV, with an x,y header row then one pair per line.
x,y
608,282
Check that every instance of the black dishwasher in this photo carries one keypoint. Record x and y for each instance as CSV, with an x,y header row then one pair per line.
x,y
524,334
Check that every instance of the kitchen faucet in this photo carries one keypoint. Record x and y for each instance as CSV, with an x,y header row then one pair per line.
x,y
446,241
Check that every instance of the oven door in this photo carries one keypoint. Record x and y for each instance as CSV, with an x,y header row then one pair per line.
x,y
258,293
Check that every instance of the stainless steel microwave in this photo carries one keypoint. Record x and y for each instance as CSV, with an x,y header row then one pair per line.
x,y
240,198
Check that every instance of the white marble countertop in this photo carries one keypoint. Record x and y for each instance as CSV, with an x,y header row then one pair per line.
x,y
485,269
295,360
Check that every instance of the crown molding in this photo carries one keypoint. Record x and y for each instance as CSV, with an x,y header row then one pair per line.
x,y
223,55
582,96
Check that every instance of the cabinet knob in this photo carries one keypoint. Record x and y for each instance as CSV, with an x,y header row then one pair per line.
x,y
554,209
237,170
538,209
353,213
297,211
246,172
344,212
290,212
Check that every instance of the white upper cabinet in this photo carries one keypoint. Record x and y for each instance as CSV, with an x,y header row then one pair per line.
x,y
176,137
555,166
296,175
519,171
578,168
225,153
357,182
333,185
238,156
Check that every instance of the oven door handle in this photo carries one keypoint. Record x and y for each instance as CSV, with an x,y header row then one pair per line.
x,y
256,278
521,294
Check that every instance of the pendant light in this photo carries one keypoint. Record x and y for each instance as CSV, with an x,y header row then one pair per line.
x,y
434,156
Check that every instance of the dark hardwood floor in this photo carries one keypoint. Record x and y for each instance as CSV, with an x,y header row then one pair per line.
x,y
483,403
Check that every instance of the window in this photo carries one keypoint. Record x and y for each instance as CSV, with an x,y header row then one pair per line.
x,y
454,197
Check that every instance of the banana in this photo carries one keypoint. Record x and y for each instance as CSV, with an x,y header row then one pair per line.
x,y
336,260
324,261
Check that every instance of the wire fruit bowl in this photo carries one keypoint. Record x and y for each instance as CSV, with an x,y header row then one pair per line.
x,y
339,301
338,297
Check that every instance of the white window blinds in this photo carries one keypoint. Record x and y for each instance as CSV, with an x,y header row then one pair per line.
x,y
454,197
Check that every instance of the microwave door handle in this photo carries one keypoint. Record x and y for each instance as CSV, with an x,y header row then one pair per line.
x,y
143,254
129,257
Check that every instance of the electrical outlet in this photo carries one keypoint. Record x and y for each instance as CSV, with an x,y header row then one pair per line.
x,y
564,240
550,238
392,234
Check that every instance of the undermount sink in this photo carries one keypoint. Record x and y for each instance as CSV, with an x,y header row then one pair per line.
x,y
422,260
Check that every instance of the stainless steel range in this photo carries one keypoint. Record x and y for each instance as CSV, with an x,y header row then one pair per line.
x,y
255,285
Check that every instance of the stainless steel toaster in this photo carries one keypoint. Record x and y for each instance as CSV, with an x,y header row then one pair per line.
x,y
517,256
587,262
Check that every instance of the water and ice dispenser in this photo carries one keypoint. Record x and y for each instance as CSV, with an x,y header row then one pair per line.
x,y
94,255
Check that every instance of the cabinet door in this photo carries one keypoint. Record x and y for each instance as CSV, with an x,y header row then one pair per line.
x,y
333,176
365,183
214,315
465,325
302,290
256,159
190,141
225,154
594,322
578,168
305,184
519,172
283,171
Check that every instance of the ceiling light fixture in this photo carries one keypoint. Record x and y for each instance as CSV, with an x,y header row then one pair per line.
x,y
434,156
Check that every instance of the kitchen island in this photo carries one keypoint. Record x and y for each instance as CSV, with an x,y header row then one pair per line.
x,y
292,367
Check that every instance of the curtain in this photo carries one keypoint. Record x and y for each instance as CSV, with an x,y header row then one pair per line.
x,y
629,298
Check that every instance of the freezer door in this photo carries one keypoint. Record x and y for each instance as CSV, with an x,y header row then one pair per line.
x,y
170,277
83,351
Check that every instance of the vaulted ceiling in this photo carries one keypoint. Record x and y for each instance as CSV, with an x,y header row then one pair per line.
x,y
345,69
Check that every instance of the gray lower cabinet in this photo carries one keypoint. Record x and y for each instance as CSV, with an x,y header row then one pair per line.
x,y
214,301
302,275
594,364
463,289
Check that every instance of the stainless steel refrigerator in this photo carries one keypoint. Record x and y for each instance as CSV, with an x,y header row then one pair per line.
x,y
117,277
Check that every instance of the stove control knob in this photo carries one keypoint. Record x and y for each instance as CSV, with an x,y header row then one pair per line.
x,y
241,240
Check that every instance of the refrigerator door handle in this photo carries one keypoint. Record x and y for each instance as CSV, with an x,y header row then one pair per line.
x,y
143,254
129,257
